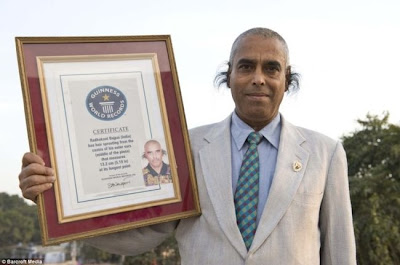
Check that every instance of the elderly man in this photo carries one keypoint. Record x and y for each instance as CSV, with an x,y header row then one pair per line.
x,y
270,192
156,172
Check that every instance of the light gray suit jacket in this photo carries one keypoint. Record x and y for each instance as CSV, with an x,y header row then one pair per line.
x,y
307,218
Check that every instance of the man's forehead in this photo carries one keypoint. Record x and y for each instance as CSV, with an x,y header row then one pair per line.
x,y
254,47
152,145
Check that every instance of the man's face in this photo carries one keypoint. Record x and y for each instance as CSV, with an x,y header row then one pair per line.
x,y
258,79
153,153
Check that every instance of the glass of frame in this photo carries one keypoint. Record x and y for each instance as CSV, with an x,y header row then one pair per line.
x,y
106,113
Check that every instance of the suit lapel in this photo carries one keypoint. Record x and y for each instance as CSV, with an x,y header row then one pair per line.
x,y
215,161
286,181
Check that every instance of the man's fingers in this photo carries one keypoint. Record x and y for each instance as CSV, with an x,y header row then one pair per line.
x,y
30,158
34,180
35,169
32,192
33,185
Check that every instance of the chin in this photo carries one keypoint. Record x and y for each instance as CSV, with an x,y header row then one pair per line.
x,y
260,117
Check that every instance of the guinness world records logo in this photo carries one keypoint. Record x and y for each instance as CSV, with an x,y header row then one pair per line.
x,y
106,103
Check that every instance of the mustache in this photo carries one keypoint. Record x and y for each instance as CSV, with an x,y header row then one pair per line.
x,y
257,93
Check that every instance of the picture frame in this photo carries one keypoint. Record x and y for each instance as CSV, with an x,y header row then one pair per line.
x,y
106,114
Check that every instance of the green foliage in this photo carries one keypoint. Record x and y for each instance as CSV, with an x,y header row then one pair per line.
x,y
18,221
373,154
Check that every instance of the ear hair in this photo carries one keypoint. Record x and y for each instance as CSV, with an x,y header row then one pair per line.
x,y
287,77
228,75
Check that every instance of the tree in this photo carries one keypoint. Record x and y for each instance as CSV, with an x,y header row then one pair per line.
x,y
18,221
373,154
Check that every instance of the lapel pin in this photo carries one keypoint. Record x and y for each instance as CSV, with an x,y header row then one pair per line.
x,y
297,166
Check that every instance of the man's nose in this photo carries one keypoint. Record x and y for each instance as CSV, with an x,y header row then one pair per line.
x,y
258,77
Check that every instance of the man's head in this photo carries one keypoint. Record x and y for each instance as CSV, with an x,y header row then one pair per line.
x,y
258,75
260,32
153,153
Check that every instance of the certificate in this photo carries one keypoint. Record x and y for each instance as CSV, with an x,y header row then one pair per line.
x,y
99,111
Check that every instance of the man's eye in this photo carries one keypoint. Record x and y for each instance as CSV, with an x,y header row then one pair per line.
x,y
272,69
245,67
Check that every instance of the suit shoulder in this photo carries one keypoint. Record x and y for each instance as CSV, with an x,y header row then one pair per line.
x,y
202,135
308,135
314,134
318,140
197,134
201,130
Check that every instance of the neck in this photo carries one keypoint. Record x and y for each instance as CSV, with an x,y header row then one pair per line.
x,y
255,124
258,126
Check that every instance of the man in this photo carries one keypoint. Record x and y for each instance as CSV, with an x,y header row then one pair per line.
x,y
290,182
156,172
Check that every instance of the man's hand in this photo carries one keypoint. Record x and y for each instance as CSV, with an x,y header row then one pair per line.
x,y
35,177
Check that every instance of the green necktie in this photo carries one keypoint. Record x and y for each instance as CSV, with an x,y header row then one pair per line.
x,y
246,195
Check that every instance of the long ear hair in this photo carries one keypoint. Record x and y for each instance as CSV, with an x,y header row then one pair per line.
x,y
222,77
292,81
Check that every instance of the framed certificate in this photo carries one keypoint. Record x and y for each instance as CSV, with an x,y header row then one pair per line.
x,y
106,113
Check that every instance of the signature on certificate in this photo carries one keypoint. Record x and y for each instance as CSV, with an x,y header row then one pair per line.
x,y
118,184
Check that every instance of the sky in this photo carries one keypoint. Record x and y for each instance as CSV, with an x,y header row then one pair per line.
x,y
347,53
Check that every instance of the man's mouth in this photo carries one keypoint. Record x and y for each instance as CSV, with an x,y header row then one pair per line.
x,y
257,95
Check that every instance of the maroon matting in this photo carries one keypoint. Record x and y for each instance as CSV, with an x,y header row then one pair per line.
x,y
30,48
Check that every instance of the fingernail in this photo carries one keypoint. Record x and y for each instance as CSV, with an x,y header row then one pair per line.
x,y
52,178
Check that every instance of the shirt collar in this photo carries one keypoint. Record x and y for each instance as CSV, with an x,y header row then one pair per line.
x,y
240,131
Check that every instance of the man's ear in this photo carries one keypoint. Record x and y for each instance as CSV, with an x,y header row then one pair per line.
x,y
288,75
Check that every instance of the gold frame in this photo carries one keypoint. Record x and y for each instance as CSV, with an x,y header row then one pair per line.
x,y
32,117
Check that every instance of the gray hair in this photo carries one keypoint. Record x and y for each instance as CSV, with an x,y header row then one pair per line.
x,y
292,78
262,32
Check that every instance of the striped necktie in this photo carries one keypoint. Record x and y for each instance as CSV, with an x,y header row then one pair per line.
x,y
246,195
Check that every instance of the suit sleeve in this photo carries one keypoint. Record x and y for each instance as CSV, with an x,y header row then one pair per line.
x,y
336,223
135,241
